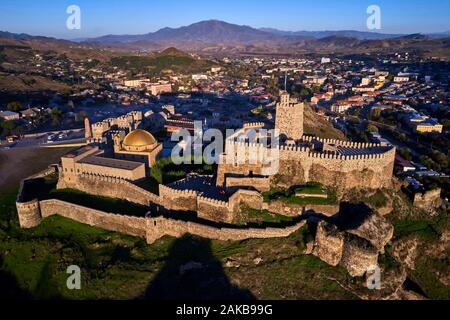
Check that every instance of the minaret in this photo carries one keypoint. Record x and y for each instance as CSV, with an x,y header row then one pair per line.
x,y
87,129
289,117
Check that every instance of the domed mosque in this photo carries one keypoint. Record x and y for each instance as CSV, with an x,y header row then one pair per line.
x,y
139,146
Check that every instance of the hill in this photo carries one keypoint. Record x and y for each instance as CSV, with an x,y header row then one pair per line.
x,y
169,59
211,31
315,125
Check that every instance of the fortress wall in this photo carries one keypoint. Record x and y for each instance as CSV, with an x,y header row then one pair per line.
x,y
298,165
341,143
29,213
132,175
285,209
260,184
249,198
149,228
111,187
214,210
159,227
341,172
367,171
134,226
255,125
178,200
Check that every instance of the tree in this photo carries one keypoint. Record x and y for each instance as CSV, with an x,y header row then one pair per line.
x,y
80,116
56,116
372,128
375,114
14,106
317,89
446,123
305,92
406,154
10,128
428,162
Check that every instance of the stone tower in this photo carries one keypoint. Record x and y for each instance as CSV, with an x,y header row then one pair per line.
x,y
87,129
289,117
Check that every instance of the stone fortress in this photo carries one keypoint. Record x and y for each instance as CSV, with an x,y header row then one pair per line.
x,y
301,159
119,154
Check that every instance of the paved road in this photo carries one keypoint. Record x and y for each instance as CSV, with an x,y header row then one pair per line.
x,y
41,139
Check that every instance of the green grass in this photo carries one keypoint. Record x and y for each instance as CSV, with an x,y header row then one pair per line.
x,y
312,188
433,288
289,195
260,217
164,171
377,200
424,228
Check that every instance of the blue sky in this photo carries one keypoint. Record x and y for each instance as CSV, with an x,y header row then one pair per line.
x,y
100,17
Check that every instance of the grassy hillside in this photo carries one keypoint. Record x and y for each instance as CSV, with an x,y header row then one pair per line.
x,y
23,83
156,65
315,125
116,266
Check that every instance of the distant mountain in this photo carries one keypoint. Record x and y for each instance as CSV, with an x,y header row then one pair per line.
x,y
360,35
444,34
215,37
211,31
48,44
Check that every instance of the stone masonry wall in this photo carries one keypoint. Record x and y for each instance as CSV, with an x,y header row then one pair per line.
x,y
148,227
260,184
111,187
178,200
159,227
214,210
298,165
134,226
29,213
28,210
249,198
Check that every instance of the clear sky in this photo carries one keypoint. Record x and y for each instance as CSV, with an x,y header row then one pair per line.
x,y
100,17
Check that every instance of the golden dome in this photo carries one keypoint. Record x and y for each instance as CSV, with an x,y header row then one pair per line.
x,y
139,138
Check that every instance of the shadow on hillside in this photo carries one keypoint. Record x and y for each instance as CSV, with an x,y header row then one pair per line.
x,y
193,273
351,215
9,288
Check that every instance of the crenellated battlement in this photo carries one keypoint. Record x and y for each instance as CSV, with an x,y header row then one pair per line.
x,y
213,202
341,143
254,125
165,190
103,178
360,148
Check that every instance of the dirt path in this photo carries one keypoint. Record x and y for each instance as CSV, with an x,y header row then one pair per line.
x,y
17,164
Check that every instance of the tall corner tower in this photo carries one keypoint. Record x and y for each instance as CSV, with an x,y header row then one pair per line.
x,y
87,128
289,117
